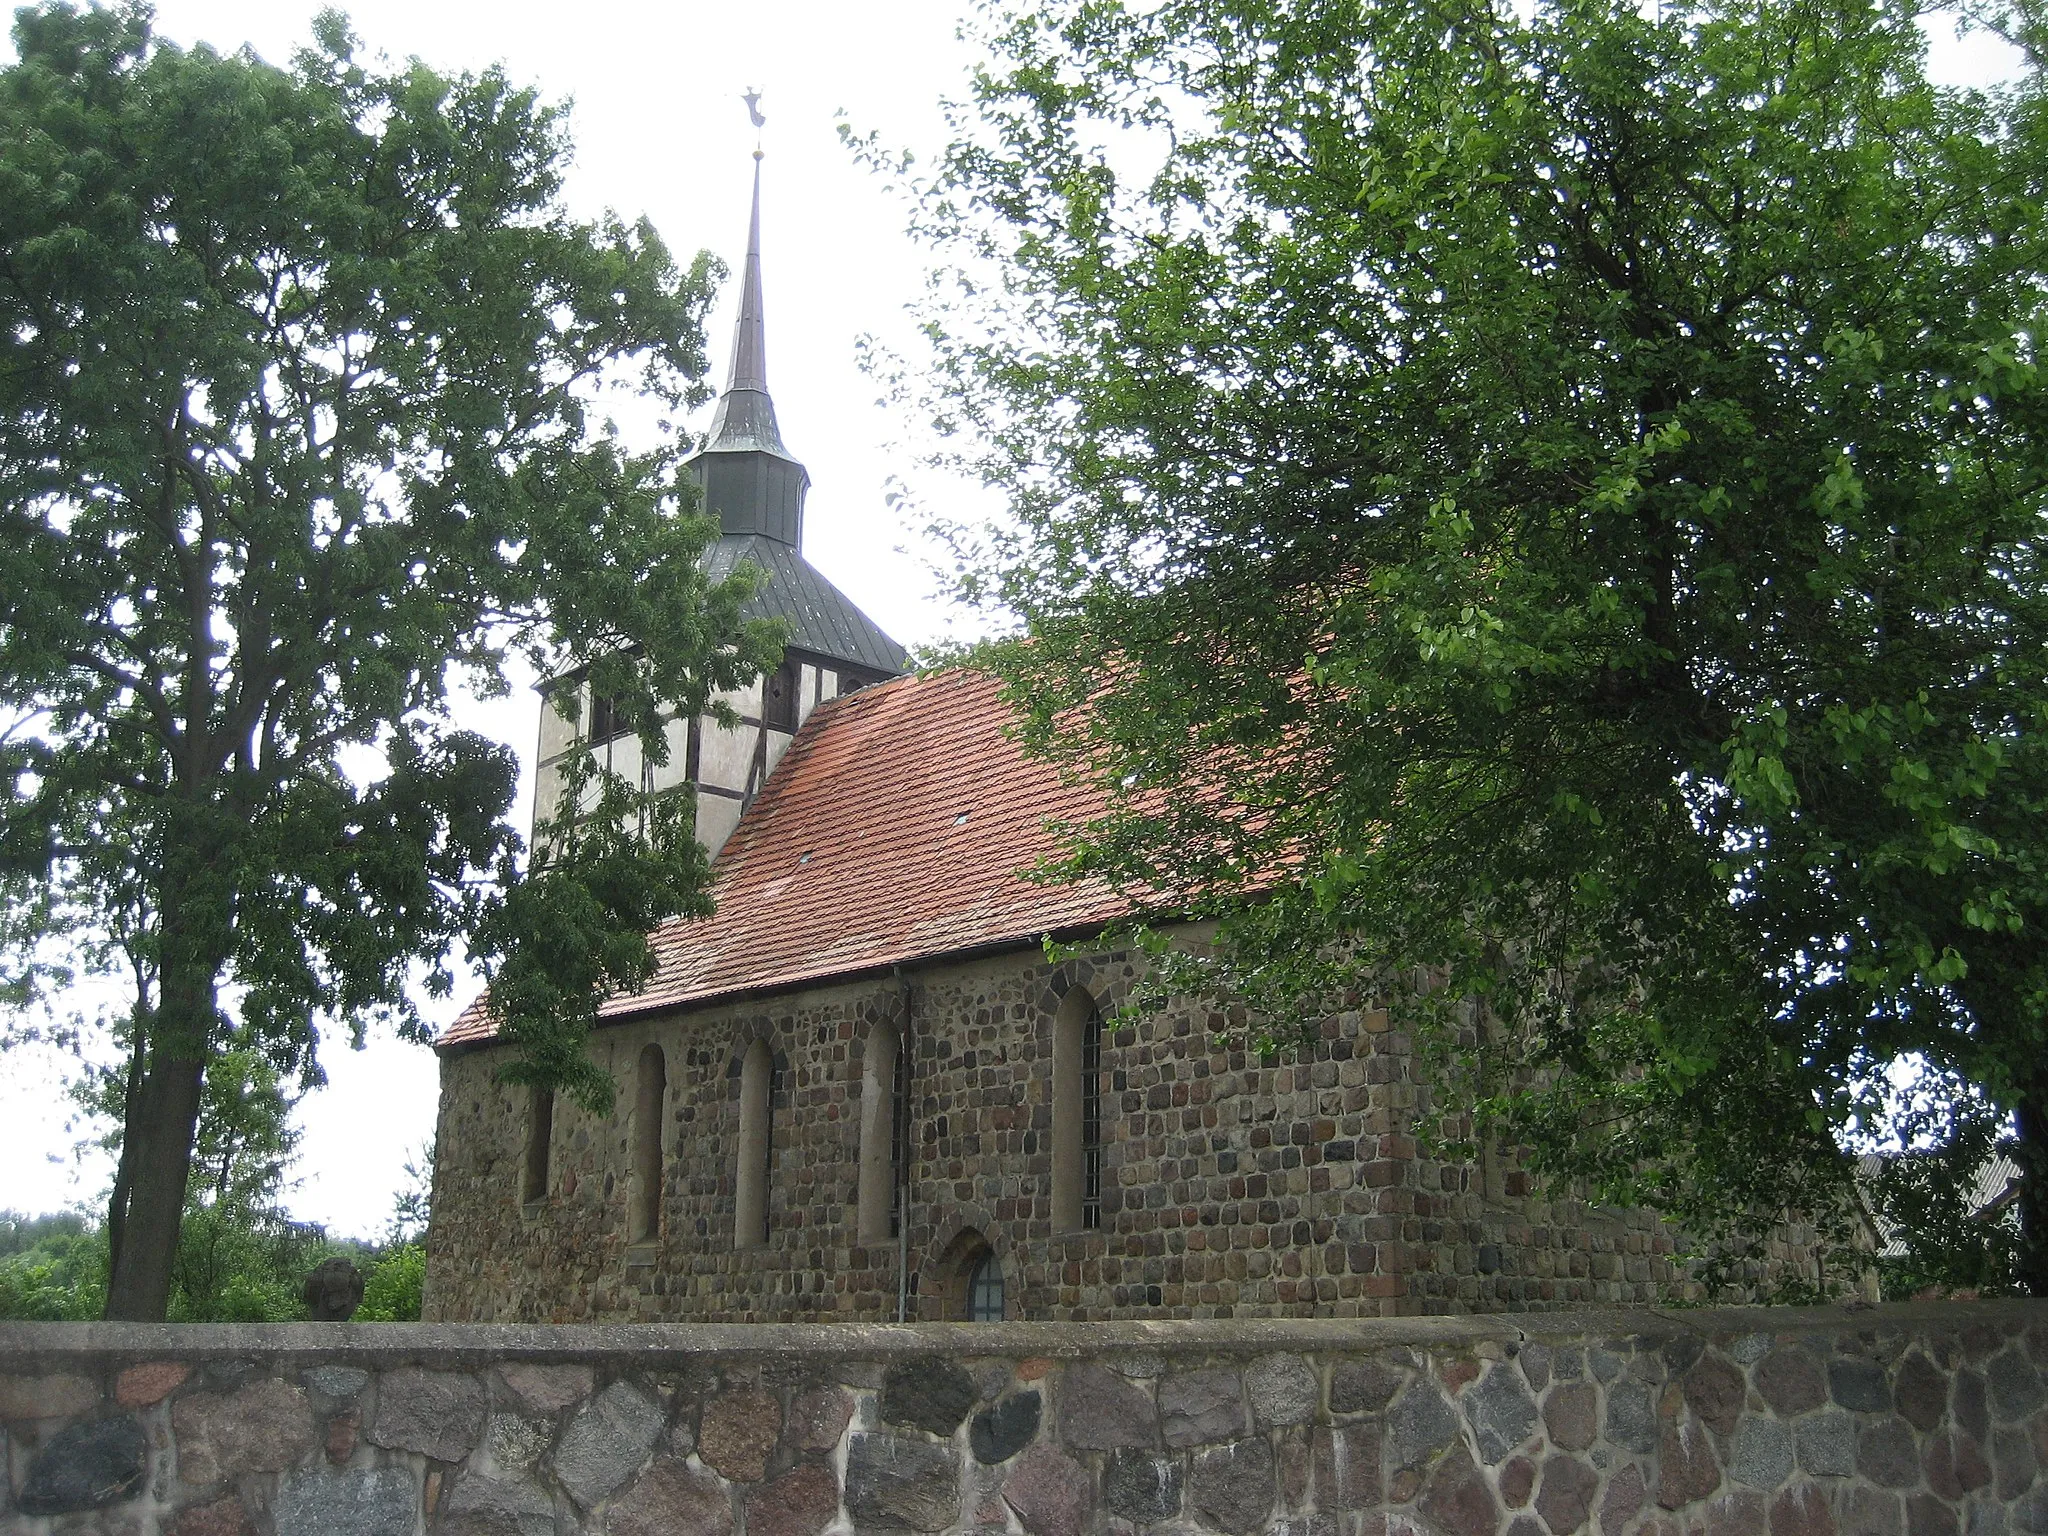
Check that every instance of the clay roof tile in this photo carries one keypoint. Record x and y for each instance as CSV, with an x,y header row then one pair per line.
x,y
899,826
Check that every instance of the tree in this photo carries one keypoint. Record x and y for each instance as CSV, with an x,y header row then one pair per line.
x,y
396,1281
1543,511
1944,1209
240,1256
296,367
52,1268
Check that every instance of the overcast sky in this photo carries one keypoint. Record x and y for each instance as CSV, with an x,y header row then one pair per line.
x,y
660,131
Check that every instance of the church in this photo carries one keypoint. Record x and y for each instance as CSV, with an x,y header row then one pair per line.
x,y
862,1091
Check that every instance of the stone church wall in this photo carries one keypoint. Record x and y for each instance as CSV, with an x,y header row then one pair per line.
x,y
1925,1420
1230,1188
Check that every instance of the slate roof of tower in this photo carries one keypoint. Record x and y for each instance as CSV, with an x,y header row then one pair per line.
x,y
897,828
821,618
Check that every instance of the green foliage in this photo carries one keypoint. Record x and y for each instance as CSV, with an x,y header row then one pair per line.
x,y
235,1264
1542,507
20,1233
52,1268
412,1205
239,1263
296,367
1942,1205
245,1139
391,1290
397,1271
240,1257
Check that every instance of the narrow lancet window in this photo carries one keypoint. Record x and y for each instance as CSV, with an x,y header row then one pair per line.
x,y
750,1205
1091,1120
876,1216
540,1136
1077,1113
899,1136
649,1101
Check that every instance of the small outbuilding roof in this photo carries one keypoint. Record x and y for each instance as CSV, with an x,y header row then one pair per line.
x,y
900,826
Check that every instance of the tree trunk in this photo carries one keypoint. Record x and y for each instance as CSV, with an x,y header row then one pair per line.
x,y
124,1171
2032,1156
157,1145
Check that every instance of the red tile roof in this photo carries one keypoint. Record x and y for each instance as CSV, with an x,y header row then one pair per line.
x,y
898,827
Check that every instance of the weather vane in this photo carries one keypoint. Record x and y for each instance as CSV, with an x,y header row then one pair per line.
x,y
752,98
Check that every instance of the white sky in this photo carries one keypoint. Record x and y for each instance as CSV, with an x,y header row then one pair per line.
x,y
660,130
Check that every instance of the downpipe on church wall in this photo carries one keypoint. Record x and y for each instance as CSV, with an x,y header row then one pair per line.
x,y
907,1045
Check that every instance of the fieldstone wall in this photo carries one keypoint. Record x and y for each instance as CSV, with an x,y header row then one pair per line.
x,y
1901,1421
1231,1188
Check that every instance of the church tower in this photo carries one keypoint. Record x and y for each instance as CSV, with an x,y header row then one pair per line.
x,y
750,479
756,488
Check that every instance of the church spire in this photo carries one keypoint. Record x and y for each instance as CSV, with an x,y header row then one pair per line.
x,y
746,414
751,481
749,343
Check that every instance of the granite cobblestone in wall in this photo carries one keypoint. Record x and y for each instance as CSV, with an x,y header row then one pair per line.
x,y
1199,1407
483,1506
931,1395
1051,1493
1825,1444
1197,1433
1142,1487
672,1498
606,1442
440,1414
86,1466
1001,1431
801,1502
900,1484
1502,1413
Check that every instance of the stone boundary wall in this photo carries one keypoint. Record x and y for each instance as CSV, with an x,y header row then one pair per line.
x,y
1923,1420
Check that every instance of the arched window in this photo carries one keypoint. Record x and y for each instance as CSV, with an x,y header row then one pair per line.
x,y
750,1205
649,1100
540,1136
1077,1113
970,1282
985,1290
879,1112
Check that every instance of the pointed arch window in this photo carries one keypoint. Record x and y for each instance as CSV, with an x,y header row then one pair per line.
x,y
1077,1113
540,1137
881,1115
750,1203
899,1138
649,1101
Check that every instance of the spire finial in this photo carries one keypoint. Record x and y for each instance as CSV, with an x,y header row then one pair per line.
x,y
752,98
